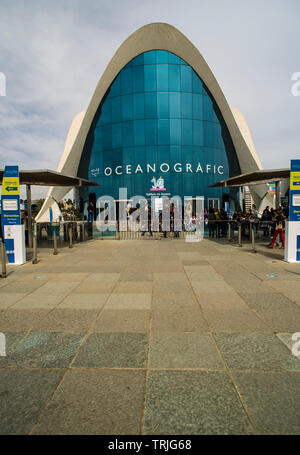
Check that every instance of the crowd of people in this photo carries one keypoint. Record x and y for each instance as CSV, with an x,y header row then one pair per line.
x,y
272,222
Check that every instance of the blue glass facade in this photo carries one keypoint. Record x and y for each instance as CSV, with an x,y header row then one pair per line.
x,y
158,120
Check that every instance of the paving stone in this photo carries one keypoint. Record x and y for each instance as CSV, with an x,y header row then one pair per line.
x,y
193,403
34,301
171,287
84,301
113,350
199,269
175,300
8,299
43,350
272,401
184,350
11,338
135,276
206,276
129,302
20,287
67,320
235,321
171,277
227,301
256,351
20,320
178,321
289,342
211,286
133,287
123,321
54,288
96,402
94,287
23,396
102,277
276,310
251,287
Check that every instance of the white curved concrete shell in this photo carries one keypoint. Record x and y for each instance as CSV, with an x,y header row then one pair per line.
x,y
163,37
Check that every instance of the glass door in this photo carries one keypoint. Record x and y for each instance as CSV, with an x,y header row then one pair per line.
x,y
213,203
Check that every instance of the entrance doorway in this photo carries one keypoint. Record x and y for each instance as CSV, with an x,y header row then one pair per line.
x,y
213,203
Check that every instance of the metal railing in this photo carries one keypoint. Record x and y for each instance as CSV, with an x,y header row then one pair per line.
x,y
3,259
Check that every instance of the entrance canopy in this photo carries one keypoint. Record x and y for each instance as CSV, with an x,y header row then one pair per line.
x,y
45,177
255,178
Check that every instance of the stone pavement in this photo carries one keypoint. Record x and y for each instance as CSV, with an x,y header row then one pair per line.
x,y
151,337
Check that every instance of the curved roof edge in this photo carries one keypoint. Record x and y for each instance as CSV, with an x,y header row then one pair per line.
x,y
165,37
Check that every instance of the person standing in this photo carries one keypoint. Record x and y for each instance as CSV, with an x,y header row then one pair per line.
x,y
211,222
24,221
91,212
279,228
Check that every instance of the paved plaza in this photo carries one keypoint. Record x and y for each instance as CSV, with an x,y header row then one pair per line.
x,y
151,337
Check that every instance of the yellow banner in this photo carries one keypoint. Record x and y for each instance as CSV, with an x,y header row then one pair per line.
x,y
11,185
295,181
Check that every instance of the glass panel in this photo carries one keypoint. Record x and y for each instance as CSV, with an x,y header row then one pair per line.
x,y
163,105
174,59
186,78
174,78
106,134
186,105
163,132
127,107
197,84
197,106
116,109
175,104
138,105
139,60
162,57
207,108
138,78
116,135
175,131
139,132
150,57
127,133
150,105
208,134
151,131
162,78
187,132
105,116
115,89
126,80
197,133
150,78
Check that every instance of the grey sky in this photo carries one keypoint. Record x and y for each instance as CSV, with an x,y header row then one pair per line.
x,y
54,53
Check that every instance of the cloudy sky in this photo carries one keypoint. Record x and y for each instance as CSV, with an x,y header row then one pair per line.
x,y
54,53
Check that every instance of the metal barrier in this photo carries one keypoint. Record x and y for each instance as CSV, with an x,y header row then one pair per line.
x,y
253,238
3,259
54,243
125,231
70,231
34,256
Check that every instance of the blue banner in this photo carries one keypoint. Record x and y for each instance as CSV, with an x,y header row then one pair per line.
x,y
295,191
